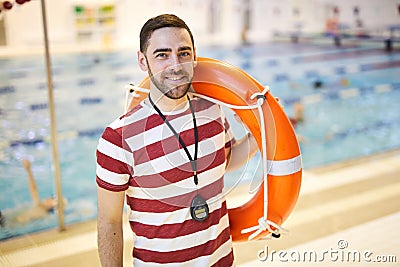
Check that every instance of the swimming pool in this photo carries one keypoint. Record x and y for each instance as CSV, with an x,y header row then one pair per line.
x,y
354,113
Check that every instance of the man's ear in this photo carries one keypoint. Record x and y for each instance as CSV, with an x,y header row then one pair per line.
x,y
142,61
195,59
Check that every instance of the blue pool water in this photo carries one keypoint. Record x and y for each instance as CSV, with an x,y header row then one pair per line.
x,y
354,114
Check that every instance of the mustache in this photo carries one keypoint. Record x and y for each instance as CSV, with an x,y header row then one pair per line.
x,y
176,73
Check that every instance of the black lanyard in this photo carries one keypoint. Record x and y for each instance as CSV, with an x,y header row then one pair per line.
x,y
193,160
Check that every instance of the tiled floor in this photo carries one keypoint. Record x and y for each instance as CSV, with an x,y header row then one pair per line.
x,y
357,202
370,243
344,210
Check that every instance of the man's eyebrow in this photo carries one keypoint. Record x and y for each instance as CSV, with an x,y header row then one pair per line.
x,y
180,49
184,48
158,50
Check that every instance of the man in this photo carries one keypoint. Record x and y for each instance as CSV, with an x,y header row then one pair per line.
x,y
168,156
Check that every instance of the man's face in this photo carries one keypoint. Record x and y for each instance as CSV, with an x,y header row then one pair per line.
x,y
170,60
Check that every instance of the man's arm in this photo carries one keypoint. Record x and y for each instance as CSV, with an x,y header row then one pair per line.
x,y
109,227
241,151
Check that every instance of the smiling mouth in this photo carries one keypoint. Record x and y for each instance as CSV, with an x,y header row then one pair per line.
x,y
175,78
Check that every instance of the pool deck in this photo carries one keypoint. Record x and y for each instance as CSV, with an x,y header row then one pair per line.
x,y
351,207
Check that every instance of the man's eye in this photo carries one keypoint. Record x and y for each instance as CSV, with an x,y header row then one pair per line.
x,y
161,55
185,54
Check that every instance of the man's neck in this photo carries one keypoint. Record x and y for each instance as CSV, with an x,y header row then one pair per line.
x,y
166,104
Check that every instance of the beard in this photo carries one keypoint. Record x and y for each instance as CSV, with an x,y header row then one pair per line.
x,y
173,90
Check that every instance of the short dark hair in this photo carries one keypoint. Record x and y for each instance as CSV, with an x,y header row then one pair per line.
x,y
161,21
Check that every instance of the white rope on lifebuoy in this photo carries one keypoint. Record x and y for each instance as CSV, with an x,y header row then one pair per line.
x,y
263,222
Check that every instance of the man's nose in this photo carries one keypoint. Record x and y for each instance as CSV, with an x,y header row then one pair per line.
x,y
175,63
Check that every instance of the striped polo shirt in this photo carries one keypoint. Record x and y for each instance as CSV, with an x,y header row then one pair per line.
x,y
139,154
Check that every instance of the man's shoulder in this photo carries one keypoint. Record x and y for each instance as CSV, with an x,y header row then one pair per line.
x,y
116,127
134,114
203,103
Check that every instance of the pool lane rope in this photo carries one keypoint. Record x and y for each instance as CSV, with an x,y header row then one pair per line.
x,y
264,224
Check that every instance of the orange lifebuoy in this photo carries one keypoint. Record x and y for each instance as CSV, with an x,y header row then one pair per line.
x,y
229,84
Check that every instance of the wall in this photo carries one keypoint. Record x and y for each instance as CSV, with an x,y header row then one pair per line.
x,y
24,23
374,13
270,16
211,21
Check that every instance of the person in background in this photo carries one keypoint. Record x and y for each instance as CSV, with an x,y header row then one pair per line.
x,y
332,23
168,156
298,116
40,208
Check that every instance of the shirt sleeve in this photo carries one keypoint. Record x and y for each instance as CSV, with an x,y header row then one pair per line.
x,y
113,168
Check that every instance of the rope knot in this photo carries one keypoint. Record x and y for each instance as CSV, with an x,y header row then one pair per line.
x,y
261,95
263,225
